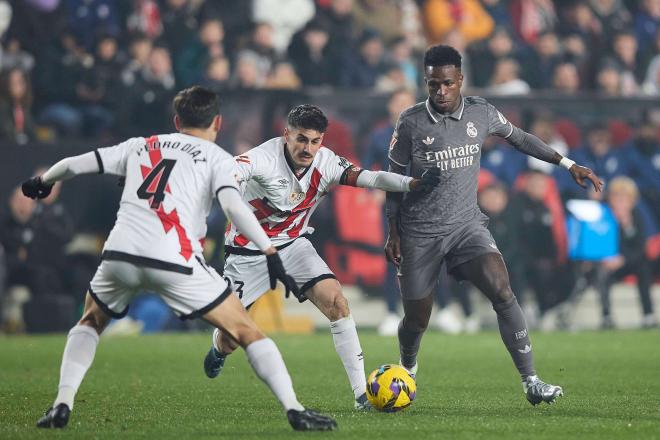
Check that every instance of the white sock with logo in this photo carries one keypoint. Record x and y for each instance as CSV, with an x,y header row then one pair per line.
x,y
268,364
347,344
77,358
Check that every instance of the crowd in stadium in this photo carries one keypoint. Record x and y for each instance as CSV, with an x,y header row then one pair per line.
x,y
96,50
106,69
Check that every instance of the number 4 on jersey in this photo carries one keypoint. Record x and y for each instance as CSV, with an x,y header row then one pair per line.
x,y
155,183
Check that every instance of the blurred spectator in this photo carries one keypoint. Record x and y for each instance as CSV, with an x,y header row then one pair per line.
x,y
468,16
647,23
651,84
283,77
612,15
139,50
498,46
142,113
286,17
339,22
36,25
643,156
622,197
179,25
16,121
599,155
532,18
537,246
566,79
393,79
99,86
247,74
575,50
87,19
502,161
499,11
506,79
363,69
540,65
145,18
217,74
260,51
624,48
311,56
236,17
198,52
383,16
5,16
608,81
16,236
580,19
12,55
543,127
401,54
65,62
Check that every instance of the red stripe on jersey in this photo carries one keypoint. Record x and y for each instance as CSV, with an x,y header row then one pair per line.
x,y
243,159
262,209
170,221
296,212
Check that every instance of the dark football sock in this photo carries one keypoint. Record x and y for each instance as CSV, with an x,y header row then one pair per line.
x,y
409,340
513,329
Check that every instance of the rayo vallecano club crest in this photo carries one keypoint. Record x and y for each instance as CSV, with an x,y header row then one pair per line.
x,y
471,129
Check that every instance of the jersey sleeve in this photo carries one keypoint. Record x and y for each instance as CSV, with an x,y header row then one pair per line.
x,y
337,169
224,173
401,143
112,160
498,125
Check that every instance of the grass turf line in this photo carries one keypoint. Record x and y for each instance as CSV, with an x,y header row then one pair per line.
x,y
154,386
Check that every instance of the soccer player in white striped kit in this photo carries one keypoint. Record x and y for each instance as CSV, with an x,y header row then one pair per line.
x,y
283,179
170,183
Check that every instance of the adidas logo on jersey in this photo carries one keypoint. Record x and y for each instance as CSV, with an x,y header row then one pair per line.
x,y
428,140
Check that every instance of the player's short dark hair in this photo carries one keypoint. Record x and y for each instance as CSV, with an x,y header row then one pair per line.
x,y
442,55
308,117
196,107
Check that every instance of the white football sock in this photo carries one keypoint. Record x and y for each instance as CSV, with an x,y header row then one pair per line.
x,y
347,344
267,362
76,360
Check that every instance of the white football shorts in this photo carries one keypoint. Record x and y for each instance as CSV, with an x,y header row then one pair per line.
x,y
248,274
190,291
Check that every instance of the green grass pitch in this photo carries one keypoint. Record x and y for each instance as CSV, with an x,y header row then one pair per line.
x,y
154,387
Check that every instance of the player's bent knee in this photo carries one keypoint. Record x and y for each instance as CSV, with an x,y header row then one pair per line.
x,y
246,335
339,308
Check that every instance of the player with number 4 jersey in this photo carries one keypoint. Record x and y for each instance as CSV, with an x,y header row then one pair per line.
x,y
283,181
171,181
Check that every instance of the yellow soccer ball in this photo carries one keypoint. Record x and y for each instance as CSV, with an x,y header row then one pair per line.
x,y
390,388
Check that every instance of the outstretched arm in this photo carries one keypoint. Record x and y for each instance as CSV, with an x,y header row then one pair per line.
x,y
40,186
533,146
391,182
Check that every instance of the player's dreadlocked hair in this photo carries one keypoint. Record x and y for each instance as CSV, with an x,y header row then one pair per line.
x,y
307,116
442,55
196,107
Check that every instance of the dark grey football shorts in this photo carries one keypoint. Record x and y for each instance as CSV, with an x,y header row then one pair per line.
x,y
422,257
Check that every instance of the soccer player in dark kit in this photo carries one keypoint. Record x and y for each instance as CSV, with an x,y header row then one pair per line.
x,y
445,226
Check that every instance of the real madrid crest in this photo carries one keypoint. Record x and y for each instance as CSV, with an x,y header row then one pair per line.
x,y
471,129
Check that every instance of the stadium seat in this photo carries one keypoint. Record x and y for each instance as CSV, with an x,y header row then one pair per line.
x,y
569,131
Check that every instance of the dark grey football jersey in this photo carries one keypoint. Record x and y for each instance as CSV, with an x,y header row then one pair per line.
x,y
452,144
